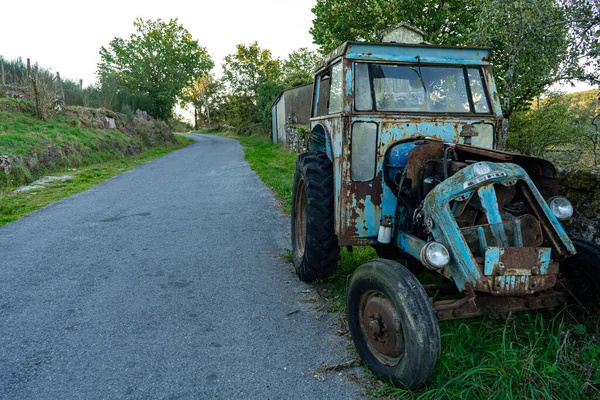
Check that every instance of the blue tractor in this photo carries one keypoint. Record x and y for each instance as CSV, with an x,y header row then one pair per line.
x,y
402,158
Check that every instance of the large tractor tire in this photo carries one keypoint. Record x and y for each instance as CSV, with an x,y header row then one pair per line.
x,y
314,243
393,324
583,272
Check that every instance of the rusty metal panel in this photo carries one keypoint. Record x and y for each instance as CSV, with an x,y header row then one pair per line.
x,y
497,306
530,236
517,260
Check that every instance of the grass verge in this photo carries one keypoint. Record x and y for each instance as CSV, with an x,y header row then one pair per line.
x,y
14,206
526,356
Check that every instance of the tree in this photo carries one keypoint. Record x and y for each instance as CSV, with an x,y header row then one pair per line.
x,y
337,21
157,61
586,107
551,122
246,71
536,43
203,95
299,67
248,67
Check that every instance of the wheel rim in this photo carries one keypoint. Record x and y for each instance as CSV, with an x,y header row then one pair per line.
x,y
381,328
300,219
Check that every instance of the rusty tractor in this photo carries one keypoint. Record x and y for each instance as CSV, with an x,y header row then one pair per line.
x,y
402,158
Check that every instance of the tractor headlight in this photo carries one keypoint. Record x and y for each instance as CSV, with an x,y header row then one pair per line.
x,y
561,208
435,255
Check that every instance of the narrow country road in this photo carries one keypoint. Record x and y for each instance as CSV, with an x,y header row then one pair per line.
x,y
164,282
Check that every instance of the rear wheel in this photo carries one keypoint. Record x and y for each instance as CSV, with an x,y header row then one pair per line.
x,y
393,325
583,274
314,243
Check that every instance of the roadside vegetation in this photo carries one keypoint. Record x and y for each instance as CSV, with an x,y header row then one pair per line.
x,y
550,355
72,143
15,205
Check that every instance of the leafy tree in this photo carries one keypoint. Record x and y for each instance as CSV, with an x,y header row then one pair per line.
x,y
299,67
337,21
157,61
586,107
536,43
240,110
248,67
250,74
550,123
204,95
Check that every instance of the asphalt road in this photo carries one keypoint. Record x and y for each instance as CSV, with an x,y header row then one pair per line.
x,y
164,282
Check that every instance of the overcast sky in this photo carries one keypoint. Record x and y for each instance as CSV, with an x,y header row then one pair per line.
x,y
66,35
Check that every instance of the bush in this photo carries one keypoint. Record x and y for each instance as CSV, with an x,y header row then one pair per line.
x,y
250,129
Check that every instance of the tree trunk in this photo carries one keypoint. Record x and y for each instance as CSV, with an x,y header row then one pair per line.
x,y
195,118
208,115
501,144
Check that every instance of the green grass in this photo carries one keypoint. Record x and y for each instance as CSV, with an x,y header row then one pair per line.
x,y
66,140
16,206
538,355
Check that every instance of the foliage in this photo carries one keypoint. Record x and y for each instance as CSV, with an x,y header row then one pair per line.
x,y
532,41
337,21
267,93
547,125
204,95
299,67
239,110
559,127
586,106
178,123
105,94
247,68
16,206
68,140
254,79
157,61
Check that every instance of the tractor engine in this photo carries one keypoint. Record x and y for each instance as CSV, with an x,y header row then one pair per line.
x,y
490,207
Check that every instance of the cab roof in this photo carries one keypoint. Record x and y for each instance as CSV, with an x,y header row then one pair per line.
x,y
404,52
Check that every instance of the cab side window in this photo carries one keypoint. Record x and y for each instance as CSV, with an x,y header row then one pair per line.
x,y
329,96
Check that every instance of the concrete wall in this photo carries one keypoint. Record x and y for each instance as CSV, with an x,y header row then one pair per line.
x,y
281,121
292,109
297,104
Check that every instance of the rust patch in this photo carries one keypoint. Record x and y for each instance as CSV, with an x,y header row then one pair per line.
x,y
418,157
497,306
497,155
468,131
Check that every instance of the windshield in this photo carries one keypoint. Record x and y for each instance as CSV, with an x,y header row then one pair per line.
x,y
381,87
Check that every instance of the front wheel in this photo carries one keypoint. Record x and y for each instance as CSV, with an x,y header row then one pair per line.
x,y
393,324
583,273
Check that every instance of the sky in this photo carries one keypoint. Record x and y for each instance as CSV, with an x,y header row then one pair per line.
x,y
65,36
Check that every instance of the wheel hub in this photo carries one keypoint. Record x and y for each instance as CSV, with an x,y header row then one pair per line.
x,y
300,220
382,330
